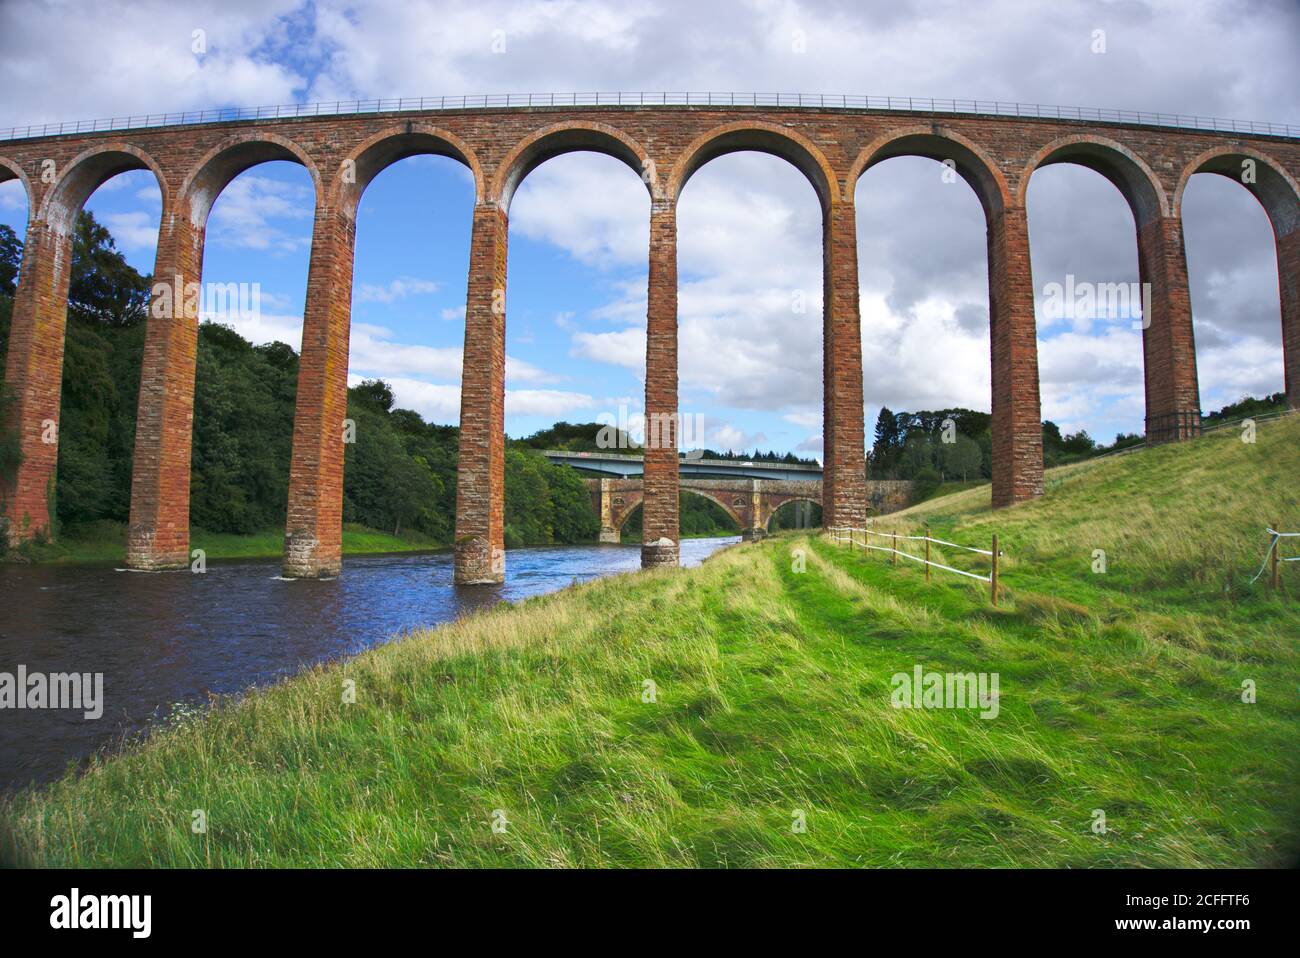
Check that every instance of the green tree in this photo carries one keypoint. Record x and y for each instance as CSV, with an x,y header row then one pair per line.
x,y
11,257
104,287
884,450
961,457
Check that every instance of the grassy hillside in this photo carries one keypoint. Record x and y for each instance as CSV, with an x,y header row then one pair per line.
x,y
1118,691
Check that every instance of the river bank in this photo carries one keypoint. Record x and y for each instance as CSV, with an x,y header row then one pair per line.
x,y
167,643
744,713
104,543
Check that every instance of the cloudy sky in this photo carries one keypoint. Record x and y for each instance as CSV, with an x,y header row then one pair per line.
x,y
749,225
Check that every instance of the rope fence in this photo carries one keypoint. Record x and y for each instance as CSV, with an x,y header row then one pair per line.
x,y
1273,558
841,534
815,101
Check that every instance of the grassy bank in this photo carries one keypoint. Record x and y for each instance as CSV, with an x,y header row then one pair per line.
x,y
106,542
772,664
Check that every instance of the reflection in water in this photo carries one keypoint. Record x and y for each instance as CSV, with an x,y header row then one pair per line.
x,y
167,638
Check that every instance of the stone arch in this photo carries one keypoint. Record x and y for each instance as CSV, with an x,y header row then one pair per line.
x,y
759,137
973,162
1129,173
12,170
625,510
570,137
771,512
220,165
1274,187
88,171
719,500
376,153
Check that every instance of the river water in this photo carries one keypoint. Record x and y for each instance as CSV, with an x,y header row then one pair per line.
x,y
161,639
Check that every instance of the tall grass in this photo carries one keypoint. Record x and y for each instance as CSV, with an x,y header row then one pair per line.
x,y
1121,692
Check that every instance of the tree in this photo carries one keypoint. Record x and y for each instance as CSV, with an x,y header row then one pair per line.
x,y
11,257
1078,443
918,454
961,457
104,287
888,439
374,391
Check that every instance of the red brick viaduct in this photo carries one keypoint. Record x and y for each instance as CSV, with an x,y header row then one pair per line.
x,y
665,146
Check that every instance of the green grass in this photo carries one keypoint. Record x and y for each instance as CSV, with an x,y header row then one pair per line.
x,y
1119,691
105,542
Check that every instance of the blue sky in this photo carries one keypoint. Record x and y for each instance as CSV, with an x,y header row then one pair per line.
x,y
749,225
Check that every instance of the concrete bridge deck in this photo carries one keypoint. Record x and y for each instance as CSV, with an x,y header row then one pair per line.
x,y
619,464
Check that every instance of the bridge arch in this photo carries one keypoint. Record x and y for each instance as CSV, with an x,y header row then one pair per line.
x,y
12,170
398,142
569,137
625,510
1278,194
757,137
1274,188
1129,173
224,162
786,500
87,172
718,500
973,164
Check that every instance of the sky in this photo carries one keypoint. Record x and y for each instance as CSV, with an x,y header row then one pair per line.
x,y
749,226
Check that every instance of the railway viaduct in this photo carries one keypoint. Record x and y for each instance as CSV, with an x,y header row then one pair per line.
x,y
832,141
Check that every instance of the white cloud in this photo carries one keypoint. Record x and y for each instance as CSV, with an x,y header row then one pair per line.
x,y
12,195
397,289
135,230
546,402
251,213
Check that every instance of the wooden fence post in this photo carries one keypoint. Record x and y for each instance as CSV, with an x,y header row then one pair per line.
x,y
927,552
993,579
894,555
1277,544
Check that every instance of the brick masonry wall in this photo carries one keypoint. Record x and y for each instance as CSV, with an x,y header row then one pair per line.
x,y
1288,269
659,524
845,467
313,542
996,155
34,376
1168,345
159,530
480,481
1017,433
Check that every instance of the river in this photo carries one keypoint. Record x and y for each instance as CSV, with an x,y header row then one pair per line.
x,y
162,639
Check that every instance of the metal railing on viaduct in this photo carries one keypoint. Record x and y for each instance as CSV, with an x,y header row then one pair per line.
x,y
617,464
1149,157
